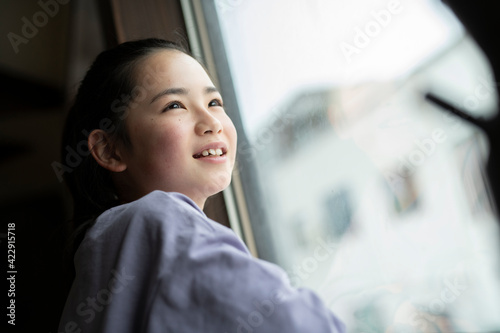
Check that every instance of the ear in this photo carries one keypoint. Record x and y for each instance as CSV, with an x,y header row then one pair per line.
x,y
104,152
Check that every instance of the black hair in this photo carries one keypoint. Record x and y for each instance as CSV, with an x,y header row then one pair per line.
x,y
102,101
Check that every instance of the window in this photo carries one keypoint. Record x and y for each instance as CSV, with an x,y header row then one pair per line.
x,y
351,181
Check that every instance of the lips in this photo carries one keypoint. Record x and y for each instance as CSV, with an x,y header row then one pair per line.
x,y
212,149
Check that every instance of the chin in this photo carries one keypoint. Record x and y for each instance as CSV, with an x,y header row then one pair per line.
x,y
218,184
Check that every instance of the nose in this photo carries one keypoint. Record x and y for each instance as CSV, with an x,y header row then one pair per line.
x,y
207,123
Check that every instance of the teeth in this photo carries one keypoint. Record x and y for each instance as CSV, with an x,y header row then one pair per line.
x,y
214,152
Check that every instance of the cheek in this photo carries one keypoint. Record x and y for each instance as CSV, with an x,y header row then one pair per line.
x,y
231,134
229,128
167,141
159,143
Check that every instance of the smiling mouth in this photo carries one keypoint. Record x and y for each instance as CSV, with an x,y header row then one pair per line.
x,y
210,153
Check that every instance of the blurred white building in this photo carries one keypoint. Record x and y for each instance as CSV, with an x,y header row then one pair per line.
x,y
397,188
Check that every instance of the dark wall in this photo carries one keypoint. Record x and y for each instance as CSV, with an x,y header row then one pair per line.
x,y
44,52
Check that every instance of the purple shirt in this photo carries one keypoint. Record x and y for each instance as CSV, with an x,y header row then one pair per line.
x,y
159,264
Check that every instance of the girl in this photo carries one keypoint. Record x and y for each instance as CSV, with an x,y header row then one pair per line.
x,y
148,259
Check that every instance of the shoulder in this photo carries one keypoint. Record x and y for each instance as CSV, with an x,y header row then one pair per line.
x,y
159,204
160,218
156,210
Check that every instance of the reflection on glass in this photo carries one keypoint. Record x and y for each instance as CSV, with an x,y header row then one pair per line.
x,y
371,196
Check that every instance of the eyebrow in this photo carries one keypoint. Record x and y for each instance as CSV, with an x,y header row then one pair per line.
x,y
180,91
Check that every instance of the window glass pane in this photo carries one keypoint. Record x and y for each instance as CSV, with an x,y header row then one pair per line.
x,y
357,186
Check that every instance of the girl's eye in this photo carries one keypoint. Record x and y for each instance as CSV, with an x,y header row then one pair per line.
x,y
215,102
173,105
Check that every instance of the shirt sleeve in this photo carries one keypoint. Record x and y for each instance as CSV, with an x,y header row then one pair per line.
x,y
213,284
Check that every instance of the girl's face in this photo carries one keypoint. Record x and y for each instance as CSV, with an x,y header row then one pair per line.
x,y
181,138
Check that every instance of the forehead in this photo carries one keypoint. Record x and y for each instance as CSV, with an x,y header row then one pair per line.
x,y
171,67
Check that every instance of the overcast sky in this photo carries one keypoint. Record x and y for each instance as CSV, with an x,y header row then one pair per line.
x,y
278,47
